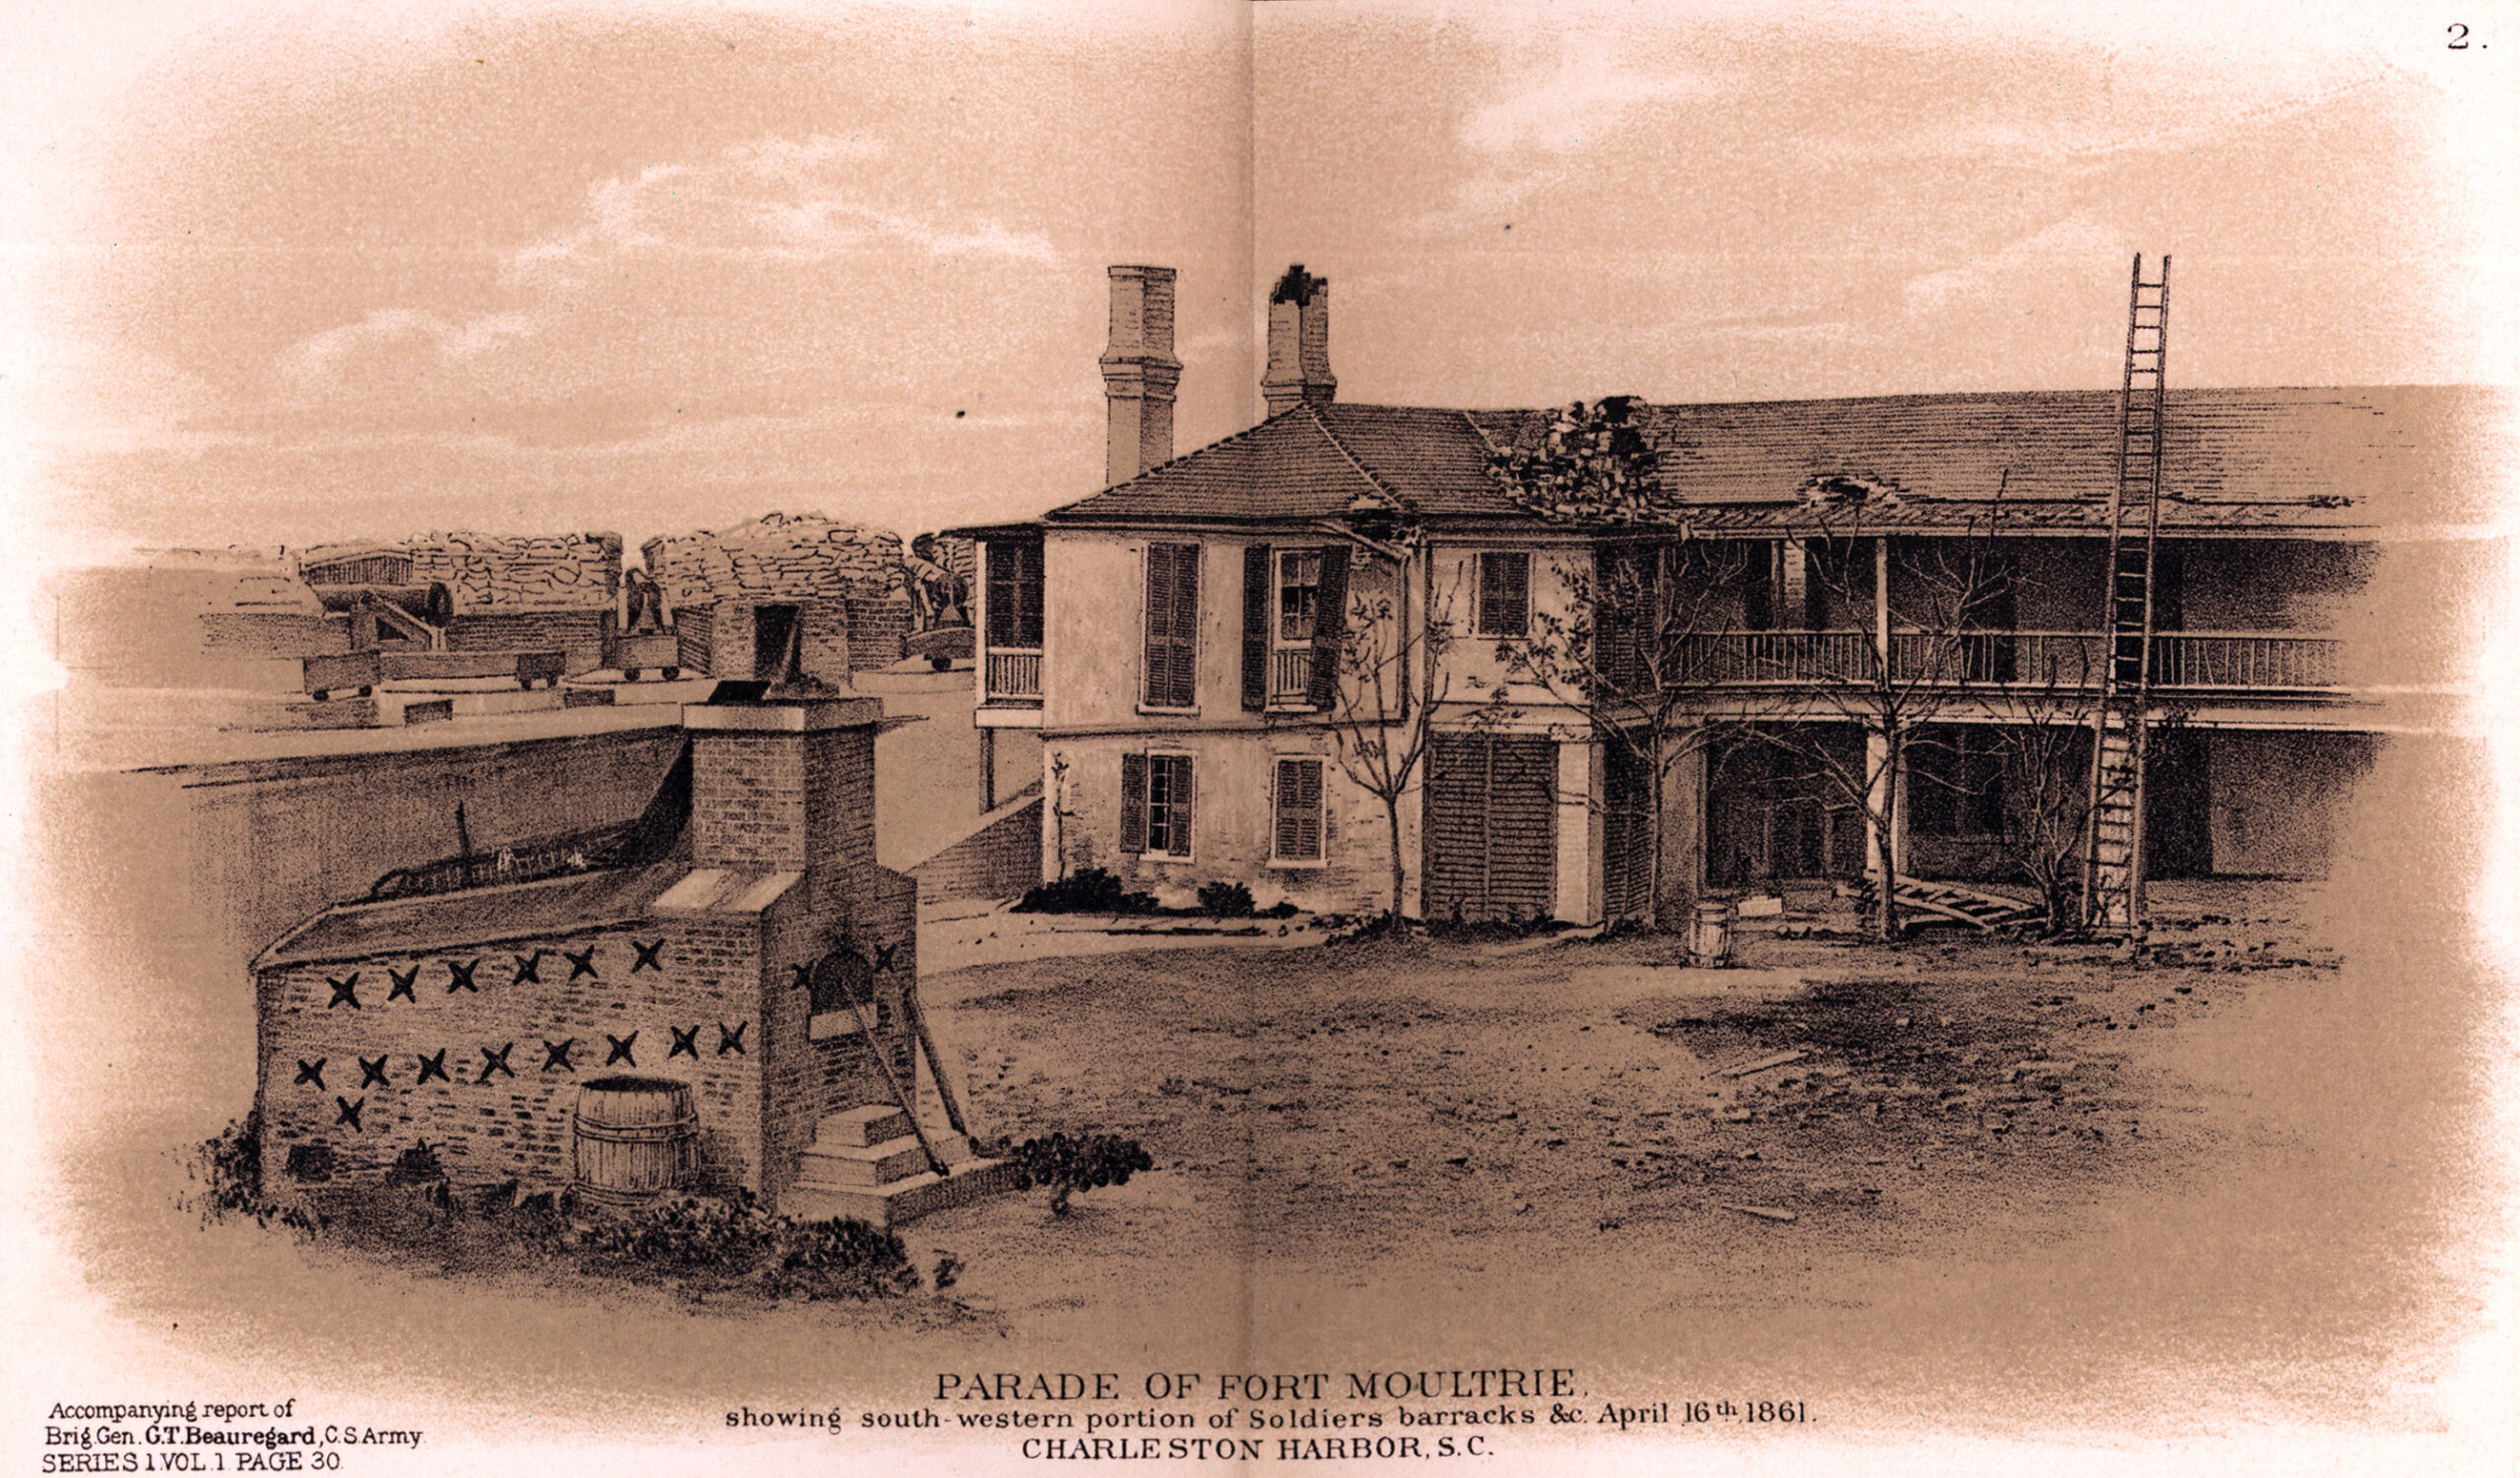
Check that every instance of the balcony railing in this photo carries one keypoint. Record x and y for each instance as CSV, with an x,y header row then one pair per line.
x,y
2070,660
1012,674
1290,675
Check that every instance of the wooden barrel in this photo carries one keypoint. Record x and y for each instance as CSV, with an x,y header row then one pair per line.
x,y
635,1141
1710,934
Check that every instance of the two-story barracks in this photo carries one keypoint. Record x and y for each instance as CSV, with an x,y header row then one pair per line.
x,y
1177,638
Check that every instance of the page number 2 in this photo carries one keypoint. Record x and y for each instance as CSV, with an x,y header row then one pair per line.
x,y
2459,37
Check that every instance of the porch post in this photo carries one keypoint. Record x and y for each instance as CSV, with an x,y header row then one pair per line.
x,y
1881,852
1879,782
1579,832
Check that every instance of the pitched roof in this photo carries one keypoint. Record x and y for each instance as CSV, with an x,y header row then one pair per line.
x,y
2248,458
480,915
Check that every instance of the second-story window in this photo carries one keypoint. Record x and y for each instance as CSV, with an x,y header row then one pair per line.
x,y
1299,619
1012,591
1172,626
1298,589
1505,594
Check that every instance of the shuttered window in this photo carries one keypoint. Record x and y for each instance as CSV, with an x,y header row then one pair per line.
x,y
1298,812
1505,594
1491,826
1172,626
1012,587
1156,795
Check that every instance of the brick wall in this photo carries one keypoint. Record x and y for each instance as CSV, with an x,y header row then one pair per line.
x,y
577,634
487,1125
879,630
275,634
840,790
761,1079
693,631
824,650
998,861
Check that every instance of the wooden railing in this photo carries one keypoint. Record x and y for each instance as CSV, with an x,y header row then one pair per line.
x,y
1012,674
2237,659
2073,660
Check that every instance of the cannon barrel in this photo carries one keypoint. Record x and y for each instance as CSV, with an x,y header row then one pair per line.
x,y
433,603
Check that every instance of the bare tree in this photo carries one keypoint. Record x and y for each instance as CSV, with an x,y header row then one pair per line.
x,y
2045,743
1380,710
1628,653
1930,647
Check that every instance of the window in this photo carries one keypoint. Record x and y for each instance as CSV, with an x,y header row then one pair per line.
x,y
1013,591
1505,594
1172,626
1297,812
1298,587
1155,805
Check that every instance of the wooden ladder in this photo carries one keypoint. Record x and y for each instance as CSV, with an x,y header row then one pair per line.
x,y
2113,859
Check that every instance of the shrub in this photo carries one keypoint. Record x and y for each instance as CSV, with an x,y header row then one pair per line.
x,y
1226,900
1086,890
734,1240
840,1259
730,1233
1067,1166
229,1166
416,1165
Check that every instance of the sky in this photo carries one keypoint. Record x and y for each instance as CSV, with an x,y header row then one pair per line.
x,y
276,276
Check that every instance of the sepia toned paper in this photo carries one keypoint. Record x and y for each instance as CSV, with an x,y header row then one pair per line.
x,y
487,485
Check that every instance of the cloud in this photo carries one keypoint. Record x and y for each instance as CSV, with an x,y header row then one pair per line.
x,y
772,198
316,359
2067,247
1591,91
719,238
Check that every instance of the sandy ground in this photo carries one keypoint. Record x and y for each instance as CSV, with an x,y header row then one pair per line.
x,y
2031,1188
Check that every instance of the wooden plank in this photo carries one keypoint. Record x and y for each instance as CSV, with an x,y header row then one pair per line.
x,y
1764,1064
1764,1214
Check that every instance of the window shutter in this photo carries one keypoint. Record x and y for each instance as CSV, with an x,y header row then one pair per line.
x,y
1182,810
1328,627
1159,623
1504,595
1298,821
1185,626
1258,597
1514,588
1172,626
1133,804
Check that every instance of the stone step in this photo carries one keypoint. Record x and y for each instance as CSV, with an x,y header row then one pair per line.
x,y
860,1128
857,1165
898,1201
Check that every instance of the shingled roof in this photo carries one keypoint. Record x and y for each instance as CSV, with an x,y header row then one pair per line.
x,y
2236,459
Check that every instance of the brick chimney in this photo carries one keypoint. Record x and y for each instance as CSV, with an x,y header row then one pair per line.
x,y
785,787
1298,343
1139,371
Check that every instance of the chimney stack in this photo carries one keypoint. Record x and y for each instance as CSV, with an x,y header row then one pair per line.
x,y
1139,371
1298,343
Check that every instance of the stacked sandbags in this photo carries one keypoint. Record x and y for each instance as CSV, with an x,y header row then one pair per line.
x,y
491,574
780,557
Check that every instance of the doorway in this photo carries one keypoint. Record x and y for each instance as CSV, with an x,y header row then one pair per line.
x,y
774,643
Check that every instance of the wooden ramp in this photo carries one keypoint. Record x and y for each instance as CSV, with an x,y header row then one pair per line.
x,y
1944,899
